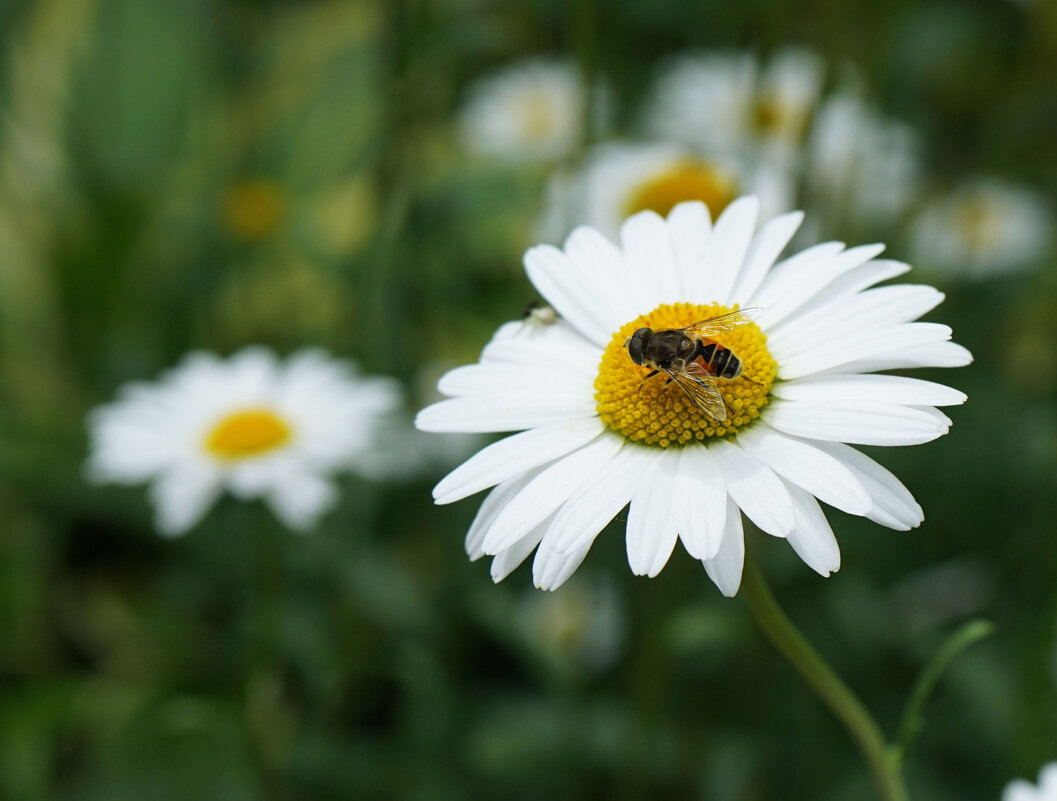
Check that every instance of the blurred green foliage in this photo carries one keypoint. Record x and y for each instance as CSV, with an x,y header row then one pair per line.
x,y
369,659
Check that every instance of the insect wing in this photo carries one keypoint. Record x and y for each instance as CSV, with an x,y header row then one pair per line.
x,y
723,323
701,389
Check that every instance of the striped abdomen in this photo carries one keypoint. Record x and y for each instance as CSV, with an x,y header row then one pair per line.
x,y
719,361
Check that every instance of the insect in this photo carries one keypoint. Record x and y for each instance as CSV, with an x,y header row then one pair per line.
x,y
675,352
537,315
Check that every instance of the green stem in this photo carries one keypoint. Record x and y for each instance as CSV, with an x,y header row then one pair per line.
x,y
829,687
914,714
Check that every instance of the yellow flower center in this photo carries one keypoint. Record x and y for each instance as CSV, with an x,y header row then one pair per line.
x,y
655,414
537,116
979,223
253,209
247,433
691,179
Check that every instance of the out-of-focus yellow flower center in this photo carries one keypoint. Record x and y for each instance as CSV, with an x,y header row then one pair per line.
x,y
247,433
978,220
253,208
767,115
655,414
691,179
537,116
772,117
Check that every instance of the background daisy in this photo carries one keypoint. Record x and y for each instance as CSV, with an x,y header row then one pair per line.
x,y
863,169
983,228
251,425
622,178
726,102
1046,790
531,111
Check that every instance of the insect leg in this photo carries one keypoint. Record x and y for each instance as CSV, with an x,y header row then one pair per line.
x,y
646,377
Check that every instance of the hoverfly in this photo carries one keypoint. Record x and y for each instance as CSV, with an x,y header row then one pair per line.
x,y
675,351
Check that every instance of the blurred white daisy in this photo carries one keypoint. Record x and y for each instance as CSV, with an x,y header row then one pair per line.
x,y
251,424
595,436
863,168
727,102
622,178
983,228
530,112
584,625
1021,790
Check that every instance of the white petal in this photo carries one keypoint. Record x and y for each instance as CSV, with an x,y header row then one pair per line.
x,y
537,351
701,513
483,415
894,506
497,380
580,520
843,318
812,538
610,274
766,246
513,455
754,488
182,496
862,345
800,463
551,567
1020,790
1048,778
567,287
725,251
790,290
937,354
648,250
254,478
689,226
254,369
494,503
549,490
884,388
504,562
787,274
300,499
856,422
725,568
132,439
846,286
651,531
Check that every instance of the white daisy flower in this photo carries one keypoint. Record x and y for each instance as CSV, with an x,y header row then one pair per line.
x,y
530,112
622,178
983,228
1021,790
596,437
725,102
864,168
249,424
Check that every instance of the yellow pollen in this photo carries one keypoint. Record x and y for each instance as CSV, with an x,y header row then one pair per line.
x,y
655,414
690,179
247,433
253,209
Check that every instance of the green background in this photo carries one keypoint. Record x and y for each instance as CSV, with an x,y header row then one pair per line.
x,y
370,659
